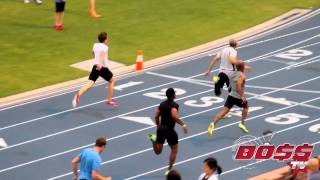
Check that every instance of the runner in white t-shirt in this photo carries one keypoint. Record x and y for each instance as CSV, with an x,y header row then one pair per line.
x,y
228,57
211,169
100,68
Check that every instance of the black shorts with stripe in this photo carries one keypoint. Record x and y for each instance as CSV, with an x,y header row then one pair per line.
x,y
104,72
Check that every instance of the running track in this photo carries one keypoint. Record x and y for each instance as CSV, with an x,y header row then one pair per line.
x,y
283,91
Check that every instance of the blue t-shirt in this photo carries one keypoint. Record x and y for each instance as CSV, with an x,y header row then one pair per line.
x,y
89,161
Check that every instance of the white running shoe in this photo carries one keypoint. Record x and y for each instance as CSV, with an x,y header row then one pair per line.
x,y
76,101
38,1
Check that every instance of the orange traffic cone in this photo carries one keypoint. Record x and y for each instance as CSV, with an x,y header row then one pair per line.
x,y
139,63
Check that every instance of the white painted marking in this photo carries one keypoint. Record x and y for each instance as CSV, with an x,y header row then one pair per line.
x,y
189,137
3,143
280,69
205,101
294,54
282,101
280,61
127,85
238,111
215,151
315,128
142,120
285,102
124,95
162,94
285,119
195,135
305,63
290,90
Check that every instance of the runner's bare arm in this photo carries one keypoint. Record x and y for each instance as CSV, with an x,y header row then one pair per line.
x,y
214,60
97,176
74,163
240,85
176,117
157,117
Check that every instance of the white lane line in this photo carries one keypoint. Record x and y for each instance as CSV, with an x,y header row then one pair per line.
x,y
192,136
263,98
97,122
250,38
286,26
279,69
80,107
190,80
183,138
279,37
87,105
126,114
216,151
145,108
290,90
280,61
281,101
305,63
78,127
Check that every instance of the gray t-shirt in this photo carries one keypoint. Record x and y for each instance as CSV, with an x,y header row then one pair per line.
x,y
233,84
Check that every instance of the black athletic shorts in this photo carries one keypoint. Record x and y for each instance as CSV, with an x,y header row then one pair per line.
x,y
167,133
104,72
235,101
60,6
223,79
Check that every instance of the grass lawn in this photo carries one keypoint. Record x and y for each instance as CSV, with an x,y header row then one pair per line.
x,y
33,54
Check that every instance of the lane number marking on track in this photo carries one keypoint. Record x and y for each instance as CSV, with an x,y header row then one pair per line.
x,y
162,94
294,54
284,119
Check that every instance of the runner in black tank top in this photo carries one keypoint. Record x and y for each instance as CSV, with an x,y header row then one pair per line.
x,y
166,117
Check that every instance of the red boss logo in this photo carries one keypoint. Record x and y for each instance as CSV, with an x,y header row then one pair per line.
x,y
299,154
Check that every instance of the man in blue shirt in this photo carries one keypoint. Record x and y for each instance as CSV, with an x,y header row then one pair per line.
x,y
90,162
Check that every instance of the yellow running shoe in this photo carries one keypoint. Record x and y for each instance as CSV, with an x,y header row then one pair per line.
x,y
152,137
243,127
215,78
166,172
211,129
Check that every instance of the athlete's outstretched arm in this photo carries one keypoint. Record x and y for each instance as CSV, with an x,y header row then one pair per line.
x,y
74,163
176,117
240,86
157,117
214,60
